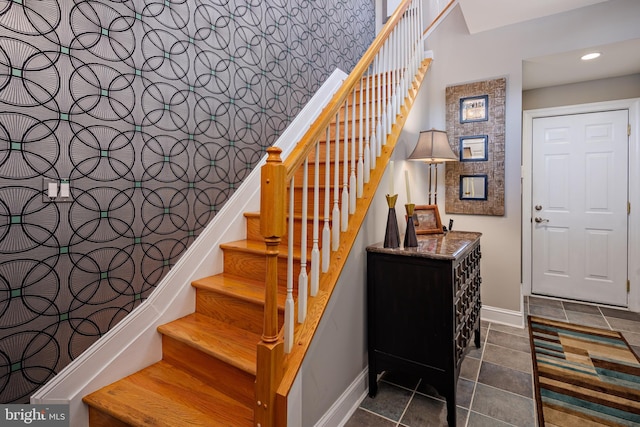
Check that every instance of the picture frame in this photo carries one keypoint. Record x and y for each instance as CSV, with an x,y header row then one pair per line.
x,y
473,187
474,109
427,219
474,148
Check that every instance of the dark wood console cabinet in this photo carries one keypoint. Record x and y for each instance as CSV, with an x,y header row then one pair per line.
x,y
423,309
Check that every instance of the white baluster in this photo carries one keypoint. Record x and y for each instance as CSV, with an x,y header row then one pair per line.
x,y
375,117
368,121
315,252
344,217
393,95
382,137
352,159
326,231
303,280
360,167
335,217
288,307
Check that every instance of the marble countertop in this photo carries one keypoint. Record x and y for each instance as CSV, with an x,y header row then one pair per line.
x,y
449,245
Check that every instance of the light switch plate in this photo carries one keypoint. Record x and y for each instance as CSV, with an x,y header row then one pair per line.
x,y
56,191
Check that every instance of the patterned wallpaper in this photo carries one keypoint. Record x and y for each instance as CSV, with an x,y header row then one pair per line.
x,y
155,111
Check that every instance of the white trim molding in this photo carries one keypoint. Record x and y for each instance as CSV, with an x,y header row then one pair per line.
x,y
347,404
502,316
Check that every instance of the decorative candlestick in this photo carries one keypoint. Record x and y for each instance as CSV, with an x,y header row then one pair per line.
x,y
410,238
392,235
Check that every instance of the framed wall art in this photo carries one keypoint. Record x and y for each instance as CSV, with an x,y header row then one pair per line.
x,y
474,109
473,187
476,128
474,148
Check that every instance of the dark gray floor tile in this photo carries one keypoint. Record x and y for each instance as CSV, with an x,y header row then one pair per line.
x,y
461,417
545,302
389,402
620,314
515,342
474,352
632,337
510,329
362,418
624,325
464,392
503,405
479,420
469,368
425,411
549,312
587,319
514,359
581,308
506,379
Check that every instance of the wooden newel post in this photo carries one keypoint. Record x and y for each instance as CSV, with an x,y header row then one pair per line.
x,y
272,227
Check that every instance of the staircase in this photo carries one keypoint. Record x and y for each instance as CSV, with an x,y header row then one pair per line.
x,y
208,374
208,369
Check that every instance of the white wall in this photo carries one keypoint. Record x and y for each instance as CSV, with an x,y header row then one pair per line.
x,y
462,58
623,87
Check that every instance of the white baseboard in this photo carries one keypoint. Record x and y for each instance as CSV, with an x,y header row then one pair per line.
x,y
502,316
347,404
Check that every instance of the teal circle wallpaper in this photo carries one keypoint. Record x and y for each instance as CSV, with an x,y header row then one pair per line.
x,y
154,111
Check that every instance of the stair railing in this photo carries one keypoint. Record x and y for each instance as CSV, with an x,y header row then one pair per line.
x,y
354,128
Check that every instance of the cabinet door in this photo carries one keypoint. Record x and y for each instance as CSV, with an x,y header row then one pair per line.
x,y
412,308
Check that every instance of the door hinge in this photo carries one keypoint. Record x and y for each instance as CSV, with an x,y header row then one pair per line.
x,y
628,286
628,208
629,129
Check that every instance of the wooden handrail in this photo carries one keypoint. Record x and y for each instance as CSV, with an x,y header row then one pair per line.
x,y
303,149
439,17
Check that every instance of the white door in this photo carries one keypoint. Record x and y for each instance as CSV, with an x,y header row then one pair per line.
x,y
579,207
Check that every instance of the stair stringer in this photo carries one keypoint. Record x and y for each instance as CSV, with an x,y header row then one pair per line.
x,y
135,343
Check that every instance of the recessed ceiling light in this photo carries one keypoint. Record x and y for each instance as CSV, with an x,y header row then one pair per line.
x,y
589,56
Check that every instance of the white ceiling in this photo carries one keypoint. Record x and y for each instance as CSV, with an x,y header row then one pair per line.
x,y
617,59
480,15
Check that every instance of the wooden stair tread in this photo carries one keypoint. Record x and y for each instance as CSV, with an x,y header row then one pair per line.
x,y
239,287
232,345
164,395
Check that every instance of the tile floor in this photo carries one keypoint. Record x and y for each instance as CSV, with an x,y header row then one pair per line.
x,y
495,387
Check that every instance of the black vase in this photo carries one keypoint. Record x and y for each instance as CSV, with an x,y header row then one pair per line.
x,y
410,237
392,234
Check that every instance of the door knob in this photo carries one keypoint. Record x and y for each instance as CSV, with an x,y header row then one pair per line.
x,y
539,220
538,207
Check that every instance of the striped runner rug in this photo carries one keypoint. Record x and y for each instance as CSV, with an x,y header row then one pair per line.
x,y
583,376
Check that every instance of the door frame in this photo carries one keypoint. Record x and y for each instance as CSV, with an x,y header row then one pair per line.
x,y
633,248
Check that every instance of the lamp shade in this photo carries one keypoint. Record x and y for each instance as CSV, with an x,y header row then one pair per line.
x,y
433,147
